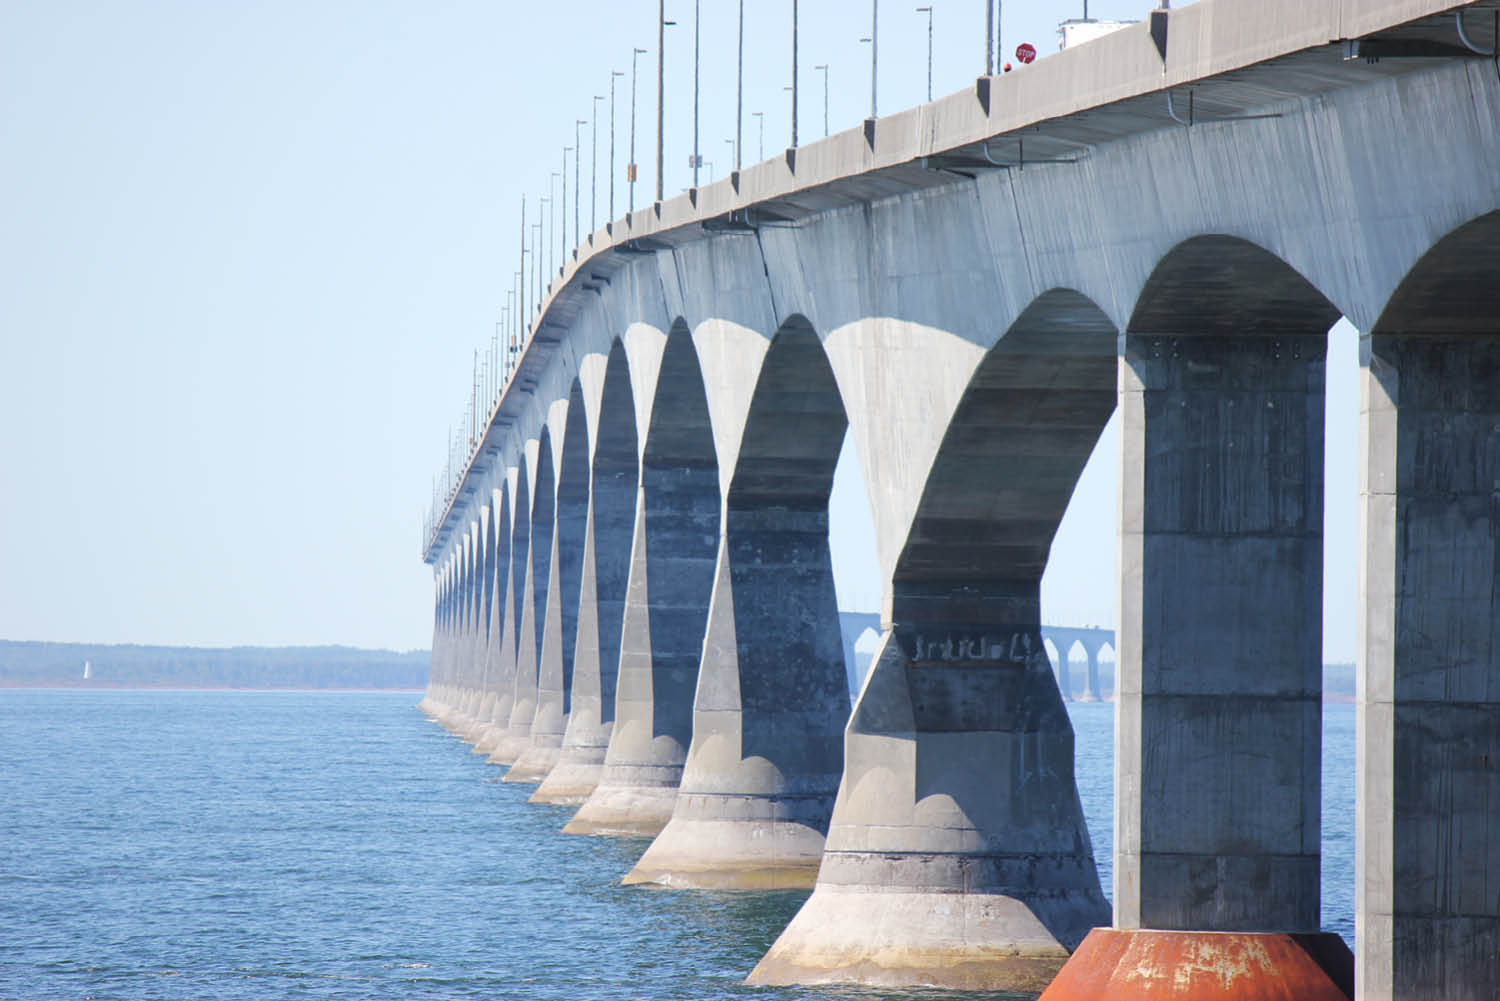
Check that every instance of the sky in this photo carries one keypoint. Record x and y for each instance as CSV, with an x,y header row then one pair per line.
x,y
248,250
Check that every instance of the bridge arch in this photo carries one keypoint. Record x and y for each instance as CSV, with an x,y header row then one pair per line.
x,y
522,707
959,753
1220,632
772,692
666,607
557,591
1430,639
610,480
500,665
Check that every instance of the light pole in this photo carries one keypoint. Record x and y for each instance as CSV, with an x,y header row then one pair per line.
x,y
824,68
874,41
794,74
697,155
734,145
577,177
739,91
631,171
594,167
521,280
928,12
562,231
612,75
761,117
989,37
661,91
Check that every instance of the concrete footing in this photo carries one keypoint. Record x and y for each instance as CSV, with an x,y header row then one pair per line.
x,y
630,801
902,938
574,777
1147,965
736,843
537,761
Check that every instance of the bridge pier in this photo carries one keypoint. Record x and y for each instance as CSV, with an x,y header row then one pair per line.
x,y
666,608
1218,671
601,605
515,727
1428,890
772,694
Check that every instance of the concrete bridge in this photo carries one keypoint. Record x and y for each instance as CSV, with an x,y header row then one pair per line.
x,y
635,603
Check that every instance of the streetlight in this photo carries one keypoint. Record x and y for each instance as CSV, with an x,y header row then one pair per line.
x,y
594,167
794,74
562,231
989,37
928,12
734,144
874,40
612,75
661,91
521,281
761,115
577,177
631,171
739,93
697,156
824,68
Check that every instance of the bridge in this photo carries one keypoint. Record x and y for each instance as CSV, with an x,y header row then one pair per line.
x,y
634,596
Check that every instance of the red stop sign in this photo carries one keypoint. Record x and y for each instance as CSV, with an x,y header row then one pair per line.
x,y
1026,52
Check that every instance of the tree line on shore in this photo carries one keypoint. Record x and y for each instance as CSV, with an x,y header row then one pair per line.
x,y
112,666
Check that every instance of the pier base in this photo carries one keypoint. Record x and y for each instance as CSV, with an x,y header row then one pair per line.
x,y
1146,965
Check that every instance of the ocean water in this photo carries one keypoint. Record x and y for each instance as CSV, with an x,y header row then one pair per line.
x,y
233,845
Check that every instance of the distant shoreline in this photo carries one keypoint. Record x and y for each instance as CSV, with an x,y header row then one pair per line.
x,y
15,684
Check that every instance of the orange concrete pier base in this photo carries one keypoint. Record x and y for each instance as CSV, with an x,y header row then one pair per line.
x,y
1144,965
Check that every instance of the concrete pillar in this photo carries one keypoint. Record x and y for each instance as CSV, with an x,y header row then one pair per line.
x,y
522,625
772,692
1219,668
1428,892
1218,675
500,664
605,569
1096,691
550,717
1064,678
772,700
666,606
671,578
957,855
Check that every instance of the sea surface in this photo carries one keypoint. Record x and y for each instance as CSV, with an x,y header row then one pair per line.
x,y
290,845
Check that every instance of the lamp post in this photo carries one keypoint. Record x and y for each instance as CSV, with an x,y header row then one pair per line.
x,y
761,116
989,37
794,74
631,170
824,68
562,231
612,75
697,154
874,41
521,283
739,90
928,12
734,144
577,177
594,167
661,92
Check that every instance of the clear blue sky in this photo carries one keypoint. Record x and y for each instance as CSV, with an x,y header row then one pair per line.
x,y
247,251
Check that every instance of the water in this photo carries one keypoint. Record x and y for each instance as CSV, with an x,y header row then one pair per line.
x,y
231,845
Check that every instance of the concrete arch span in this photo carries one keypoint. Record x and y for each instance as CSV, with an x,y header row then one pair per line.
x,y
772,698
557,602
958,796
500,668
670,580
1429,721
482,699
511,742
540,562
613,481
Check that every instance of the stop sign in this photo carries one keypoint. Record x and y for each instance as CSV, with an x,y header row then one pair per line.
x,y
1026,52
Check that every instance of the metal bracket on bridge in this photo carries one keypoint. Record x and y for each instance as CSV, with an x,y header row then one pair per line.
x,y
1190,120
